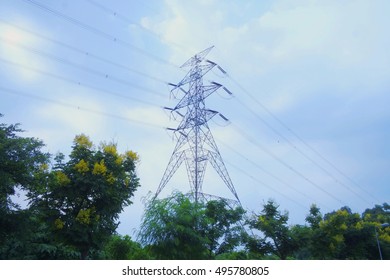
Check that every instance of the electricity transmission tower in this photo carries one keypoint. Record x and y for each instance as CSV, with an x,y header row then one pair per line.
x,y
195,144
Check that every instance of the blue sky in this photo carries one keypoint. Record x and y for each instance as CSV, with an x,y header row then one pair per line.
x,y
318,70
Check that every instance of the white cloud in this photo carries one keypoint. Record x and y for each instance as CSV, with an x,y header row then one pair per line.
x,y
14,42
318,42
70,114
294,57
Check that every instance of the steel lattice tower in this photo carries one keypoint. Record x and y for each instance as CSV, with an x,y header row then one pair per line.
x,y
195,144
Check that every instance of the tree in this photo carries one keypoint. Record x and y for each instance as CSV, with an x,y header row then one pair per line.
x,y
171,228
123,248
306,237
177,228
82,198
375,218
315,217
343,234
379,214
224,229
302,238
273,224
21,159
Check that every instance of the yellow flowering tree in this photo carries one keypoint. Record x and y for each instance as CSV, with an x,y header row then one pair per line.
x,y
342,234
86,194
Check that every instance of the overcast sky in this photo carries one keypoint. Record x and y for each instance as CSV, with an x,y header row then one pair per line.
x,y
309,119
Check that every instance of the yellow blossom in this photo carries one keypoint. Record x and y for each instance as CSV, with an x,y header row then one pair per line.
x,y
84,216
99,168
59,224
343,226
385,238
338,238
119,160
83,141
132,155
367,217
110,149
82,166
359,225
63,180
110,179
44,167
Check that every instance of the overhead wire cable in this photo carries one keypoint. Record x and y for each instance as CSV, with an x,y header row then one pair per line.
x,y
264,184
81,67
126,19
98,32
300,139
288,166
303,154
82,84
86,53
76,107
258,166
255,100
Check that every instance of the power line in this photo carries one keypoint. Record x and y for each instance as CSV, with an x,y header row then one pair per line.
x,y
301,152
301,140
97,112
86,53
76,107
106,114
265,171
41,72
254,142
126,19
264,184
81,67
98,32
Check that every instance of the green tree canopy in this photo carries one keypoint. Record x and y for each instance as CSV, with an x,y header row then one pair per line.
x,y
21,159
123,248
74,204
343,234
73,207
177,228
273,224
82,198
224,227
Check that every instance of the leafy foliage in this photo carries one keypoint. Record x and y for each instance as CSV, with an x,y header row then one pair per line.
x,y
273,224
83,197
21,160
177,228
171,228
74,205
224,229
123,248
342,234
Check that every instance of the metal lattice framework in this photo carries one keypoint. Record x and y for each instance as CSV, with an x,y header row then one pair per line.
x,y
195,144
